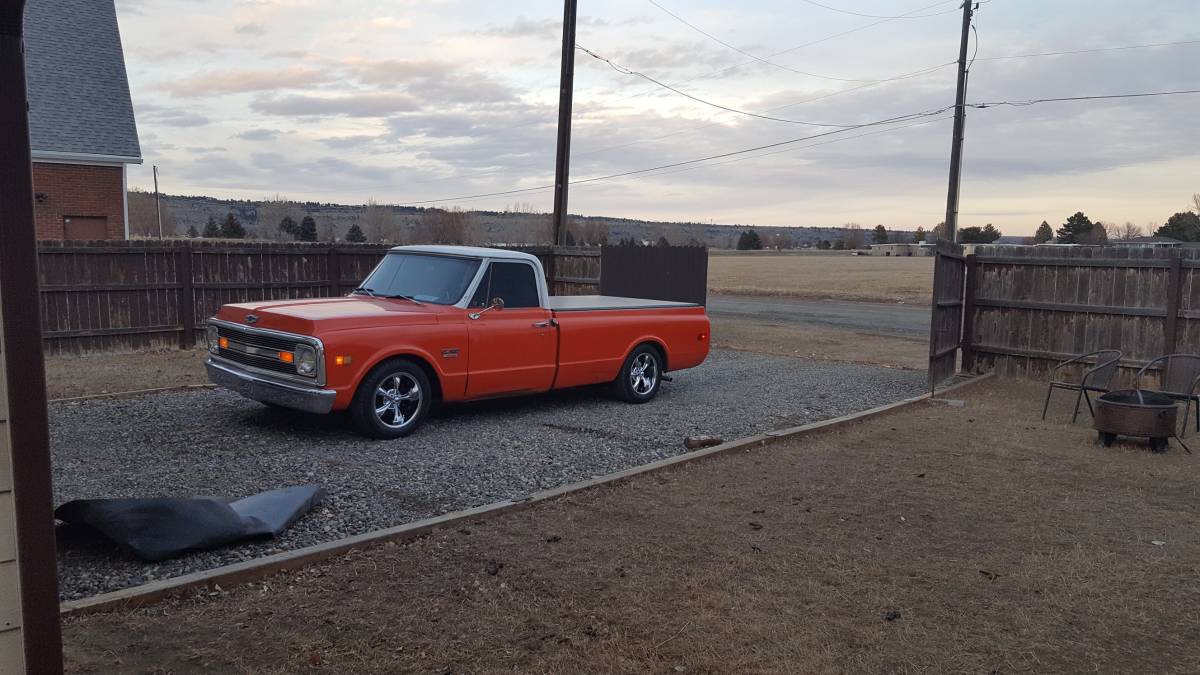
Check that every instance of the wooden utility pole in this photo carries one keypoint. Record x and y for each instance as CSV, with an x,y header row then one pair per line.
x,y
960,120
566,92
157,207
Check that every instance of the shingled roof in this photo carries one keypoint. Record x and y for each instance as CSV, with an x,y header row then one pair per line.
x,y
75,73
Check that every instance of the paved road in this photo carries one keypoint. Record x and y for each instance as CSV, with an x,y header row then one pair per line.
x,y
863,316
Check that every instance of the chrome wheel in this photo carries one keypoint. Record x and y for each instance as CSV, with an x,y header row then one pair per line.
x,y
643,374
397,400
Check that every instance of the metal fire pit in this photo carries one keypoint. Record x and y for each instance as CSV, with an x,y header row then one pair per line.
x,y
1134,412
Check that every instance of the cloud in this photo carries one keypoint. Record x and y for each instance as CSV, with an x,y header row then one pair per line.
x,y
243,81
250,29
362,104
169,116
259,135
523,27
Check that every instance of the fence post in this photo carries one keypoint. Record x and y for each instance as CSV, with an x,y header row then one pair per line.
x,y
187,295
1174,290
968,319
335,271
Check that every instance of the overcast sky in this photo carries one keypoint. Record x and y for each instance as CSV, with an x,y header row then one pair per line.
x,y
411,100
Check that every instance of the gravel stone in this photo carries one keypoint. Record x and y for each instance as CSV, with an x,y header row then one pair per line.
x,y
215,443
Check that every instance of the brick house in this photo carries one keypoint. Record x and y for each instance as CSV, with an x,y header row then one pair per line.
x,y
81,123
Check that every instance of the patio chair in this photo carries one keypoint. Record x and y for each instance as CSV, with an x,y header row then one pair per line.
x,y
1180,373
1094,379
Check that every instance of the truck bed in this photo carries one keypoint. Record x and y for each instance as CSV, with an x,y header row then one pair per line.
x,y
583,303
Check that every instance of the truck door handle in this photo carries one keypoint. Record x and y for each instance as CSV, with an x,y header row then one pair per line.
x,y
545,324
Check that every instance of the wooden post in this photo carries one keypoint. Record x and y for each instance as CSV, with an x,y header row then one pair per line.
x,y
1174,290
187,295
968,318
335,271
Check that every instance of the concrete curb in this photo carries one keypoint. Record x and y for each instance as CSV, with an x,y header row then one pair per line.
x,y
137,596
132,394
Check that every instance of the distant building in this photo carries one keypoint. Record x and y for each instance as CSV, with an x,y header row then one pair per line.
x,y
81,124
1147,242
903,250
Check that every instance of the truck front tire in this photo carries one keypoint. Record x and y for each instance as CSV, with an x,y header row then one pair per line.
x,y
392,400
640,376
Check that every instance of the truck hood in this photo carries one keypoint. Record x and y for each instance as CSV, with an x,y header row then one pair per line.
x,y
315,316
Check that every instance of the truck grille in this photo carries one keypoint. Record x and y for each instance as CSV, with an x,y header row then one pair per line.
x,y
244,343
271,342
257,361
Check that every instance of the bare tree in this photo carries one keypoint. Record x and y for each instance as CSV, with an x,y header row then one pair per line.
x,y
272,211
378,222
143,217
1196,202
443,227
854,236
1126,231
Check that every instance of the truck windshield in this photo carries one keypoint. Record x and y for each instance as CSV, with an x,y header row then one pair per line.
x,y
437,279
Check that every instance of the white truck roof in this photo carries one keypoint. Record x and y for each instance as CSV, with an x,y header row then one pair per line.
x,y
469,252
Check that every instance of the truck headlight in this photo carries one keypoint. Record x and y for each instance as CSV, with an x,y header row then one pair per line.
x,y
306,360
213,339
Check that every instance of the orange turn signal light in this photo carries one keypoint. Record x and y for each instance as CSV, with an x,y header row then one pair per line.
x,y
223,343
342,360
287,357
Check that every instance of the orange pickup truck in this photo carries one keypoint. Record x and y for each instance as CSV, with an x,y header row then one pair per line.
x,y
447,323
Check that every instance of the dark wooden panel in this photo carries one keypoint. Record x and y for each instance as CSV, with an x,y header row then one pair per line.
x,y
678,273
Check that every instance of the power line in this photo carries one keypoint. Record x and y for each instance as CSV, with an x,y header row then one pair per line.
x,y
743,52
627,71
891,120
876,16
989,104
1090,51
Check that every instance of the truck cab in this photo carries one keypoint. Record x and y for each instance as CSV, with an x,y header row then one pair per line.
x,y
443,324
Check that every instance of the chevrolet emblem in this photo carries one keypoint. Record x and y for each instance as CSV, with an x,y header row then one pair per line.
x,y
250,318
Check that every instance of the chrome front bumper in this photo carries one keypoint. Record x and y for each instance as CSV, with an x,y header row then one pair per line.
x,y
299,397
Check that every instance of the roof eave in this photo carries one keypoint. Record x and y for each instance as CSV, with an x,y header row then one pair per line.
x,y
55,157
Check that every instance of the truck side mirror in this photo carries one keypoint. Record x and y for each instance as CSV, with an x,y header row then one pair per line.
x,y
497,303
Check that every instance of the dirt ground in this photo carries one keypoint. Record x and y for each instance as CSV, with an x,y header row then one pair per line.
x,y
833,277
822,344
931,539
70,376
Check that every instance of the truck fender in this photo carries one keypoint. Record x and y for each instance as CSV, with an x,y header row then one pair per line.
x,y
650,339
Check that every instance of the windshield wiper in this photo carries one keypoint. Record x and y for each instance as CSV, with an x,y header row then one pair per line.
x,y
364,289
405,297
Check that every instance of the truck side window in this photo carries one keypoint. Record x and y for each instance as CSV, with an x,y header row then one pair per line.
x,y
515,283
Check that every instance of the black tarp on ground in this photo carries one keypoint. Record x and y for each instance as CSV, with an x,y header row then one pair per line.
x,y
161,528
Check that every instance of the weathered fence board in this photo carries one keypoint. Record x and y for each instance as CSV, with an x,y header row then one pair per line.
x,y
1030,308
126,296
678,273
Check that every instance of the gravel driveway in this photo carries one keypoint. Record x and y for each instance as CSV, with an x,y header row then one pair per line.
x,y
216,443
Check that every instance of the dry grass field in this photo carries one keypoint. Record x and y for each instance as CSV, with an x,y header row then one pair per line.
x,y
933,539
824,277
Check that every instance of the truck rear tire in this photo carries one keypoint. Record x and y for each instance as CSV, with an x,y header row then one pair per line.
x,y
640,376
392,400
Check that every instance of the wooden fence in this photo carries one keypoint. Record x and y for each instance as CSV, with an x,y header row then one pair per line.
x,y
1028,308
678,273
124,296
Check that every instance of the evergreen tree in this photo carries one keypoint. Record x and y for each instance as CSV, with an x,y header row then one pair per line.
x,y
663,241
1044,233
879,235
839,245
824,245
211,229
1184,226
355,234
570,239
1076,230
192,232
232,228
978,235
919,235
749,241
308,229
288,226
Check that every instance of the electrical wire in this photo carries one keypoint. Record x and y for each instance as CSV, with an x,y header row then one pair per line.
x,y
627,71
991,104
634,172
743,52
1091,51
876,16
